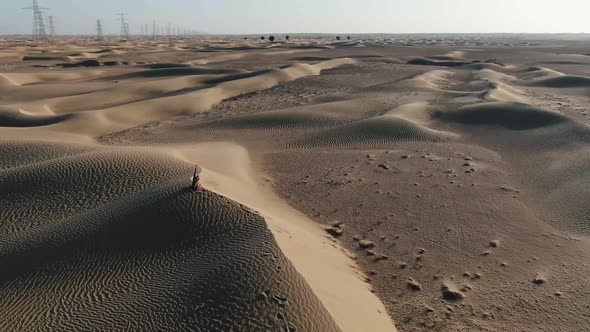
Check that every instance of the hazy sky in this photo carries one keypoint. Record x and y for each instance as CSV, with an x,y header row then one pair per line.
x,y
330,16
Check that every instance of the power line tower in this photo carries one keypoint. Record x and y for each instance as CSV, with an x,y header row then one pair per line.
x,y
51,27
154,30
99,35
124,26
39,31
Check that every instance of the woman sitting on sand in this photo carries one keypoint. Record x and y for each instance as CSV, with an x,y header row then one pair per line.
x,y
196,185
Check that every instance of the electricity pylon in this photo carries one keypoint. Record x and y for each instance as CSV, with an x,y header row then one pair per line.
x,y
51,27
124,26
39,31
99,35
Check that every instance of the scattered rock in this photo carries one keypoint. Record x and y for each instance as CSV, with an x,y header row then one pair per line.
x,y
539,280
335,231
495,244
507,188
413,285
279,299
451,294
384,166
366,244
466,288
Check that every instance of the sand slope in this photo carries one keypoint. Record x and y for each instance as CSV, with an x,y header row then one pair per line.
x,y
142,256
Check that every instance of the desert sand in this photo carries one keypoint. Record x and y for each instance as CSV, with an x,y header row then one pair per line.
x,y
405,182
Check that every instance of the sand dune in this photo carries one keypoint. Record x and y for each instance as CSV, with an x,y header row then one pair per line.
x,y
47,58
107,120
276,120
509,115
24,79
437,62
120,259
435,79
7,82
181,71
375,132
563,82
18,118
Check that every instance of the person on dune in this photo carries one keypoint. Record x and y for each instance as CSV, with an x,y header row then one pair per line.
x,y
196,184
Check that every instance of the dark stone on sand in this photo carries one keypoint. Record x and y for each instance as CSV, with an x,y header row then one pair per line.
x,y
366,244
452,295
335,231
413,285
